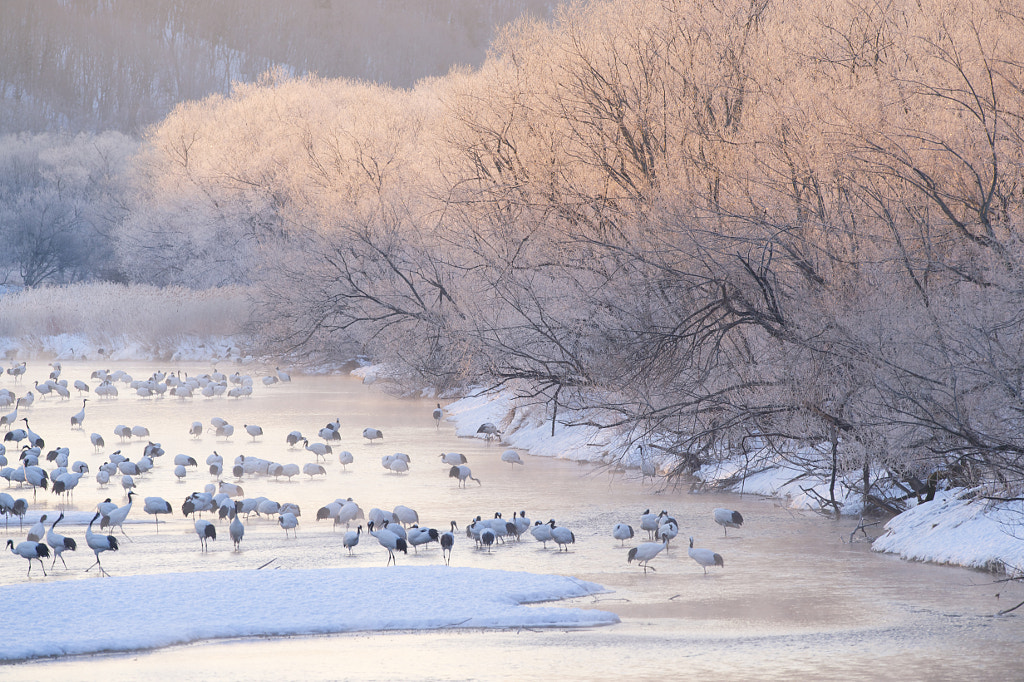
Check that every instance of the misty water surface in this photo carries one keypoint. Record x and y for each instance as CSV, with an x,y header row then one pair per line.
x,y
794,600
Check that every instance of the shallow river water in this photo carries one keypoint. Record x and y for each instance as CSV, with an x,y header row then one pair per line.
x,y
795,600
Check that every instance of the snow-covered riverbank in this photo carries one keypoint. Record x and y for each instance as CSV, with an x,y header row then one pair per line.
x,y
958,527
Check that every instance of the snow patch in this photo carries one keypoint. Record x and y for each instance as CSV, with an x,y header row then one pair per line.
x,y
957,528
149,611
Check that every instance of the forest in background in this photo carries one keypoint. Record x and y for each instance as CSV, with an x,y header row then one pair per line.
x,y
101,65
733,227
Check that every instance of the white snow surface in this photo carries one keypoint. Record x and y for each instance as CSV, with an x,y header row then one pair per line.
x,y
180,348
146,611
958,527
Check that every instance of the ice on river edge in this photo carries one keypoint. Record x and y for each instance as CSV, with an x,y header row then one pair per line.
x,y
145,611
957,527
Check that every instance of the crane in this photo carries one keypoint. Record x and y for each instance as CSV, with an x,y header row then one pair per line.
x,y
623,532
644,552
206,531
59,543
727,518
30,550
116,517
462,472
705,557
389,541
351,539
447,541
237,529
79,417
99,543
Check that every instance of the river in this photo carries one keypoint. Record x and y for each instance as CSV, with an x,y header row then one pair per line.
x,y
795,599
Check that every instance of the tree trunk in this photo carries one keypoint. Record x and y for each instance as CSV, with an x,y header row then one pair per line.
x,y
834,433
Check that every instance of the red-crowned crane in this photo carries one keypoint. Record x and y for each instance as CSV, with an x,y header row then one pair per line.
x,y
30,550
99,543
447,541
727,518
705,557
116,517
668,530
79,417
541,532
562,536
351,539
487,538
649,522
312,469
59,543
185,460
453,458
644,552
421,536
34,439
512,457
462,472
156,506
405,515
288,521
237,529
318,449
329,432
38,531
345,458
623,532
489,431
389,541
206,531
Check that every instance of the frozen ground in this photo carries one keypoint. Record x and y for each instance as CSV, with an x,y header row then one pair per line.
x,y
138,612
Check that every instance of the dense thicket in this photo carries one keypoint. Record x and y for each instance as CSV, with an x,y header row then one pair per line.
x,y
730,223
60,198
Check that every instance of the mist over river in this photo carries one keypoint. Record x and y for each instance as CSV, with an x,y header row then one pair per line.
x,y
795,599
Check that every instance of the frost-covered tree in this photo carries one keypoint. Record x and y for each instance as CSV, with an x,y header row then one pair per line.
x,y
60,197
787,230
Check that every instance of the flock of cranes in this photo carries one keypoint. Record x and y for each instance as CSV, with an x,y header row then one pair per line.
x,y
225,502
663,528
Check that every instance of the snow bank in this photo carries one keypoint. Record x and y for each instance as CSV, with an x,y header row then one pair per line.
x,y
179,348
528,427
956,528
949,530
143,612
783,481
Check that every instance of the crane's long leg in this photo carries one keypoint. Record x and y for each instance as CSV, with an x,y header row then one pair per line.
x,y
102,572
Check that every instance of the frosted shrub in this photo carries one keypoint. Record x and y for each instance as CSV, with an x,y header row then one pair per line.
x,y
140,313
